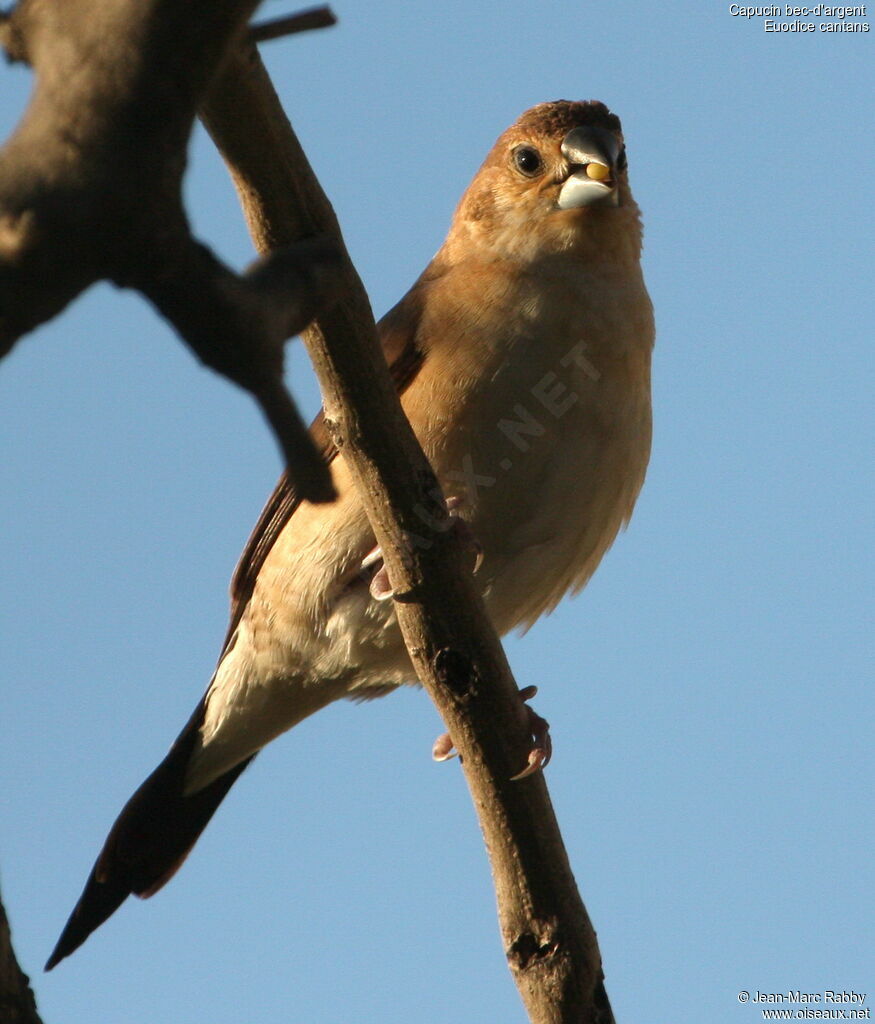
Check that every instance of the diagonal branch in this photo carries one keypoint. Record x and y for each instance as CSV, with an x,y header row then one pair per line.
x,y
549,941
17,1004
303,21
90,189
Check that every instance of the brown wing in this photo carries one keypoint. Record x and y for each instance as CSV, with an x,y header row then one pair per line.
x,y
398,339
161,822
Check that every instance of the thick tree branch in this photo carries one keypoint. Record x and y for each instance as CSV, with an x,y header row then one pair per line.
x,y
90,189
17,1005
549,941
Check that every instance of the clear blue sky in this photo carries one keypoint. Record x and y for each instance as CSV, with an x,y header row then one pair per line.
x,y
710,692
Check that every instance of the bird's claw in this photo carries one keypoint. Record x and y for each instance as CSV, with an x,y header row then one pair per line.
x,y
463,531
542,750
443,749
540,753
380,587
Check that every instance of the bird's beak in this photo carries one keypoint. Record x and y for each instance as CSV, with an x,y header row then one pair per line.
x,y
592,155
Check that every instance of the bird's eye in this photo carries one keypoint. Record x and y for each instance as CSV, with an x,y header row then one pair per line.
x,y
622,162
527,160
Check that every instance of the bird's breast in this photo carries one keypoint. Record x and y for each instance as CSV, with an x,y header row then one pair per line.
x,y
548,447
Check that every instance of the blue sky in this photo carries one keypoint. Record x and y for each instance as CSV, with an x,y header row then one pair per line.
x,y
710,692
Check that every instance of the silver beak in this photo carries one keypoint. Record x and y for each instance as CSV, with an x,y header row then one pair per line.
x,y
592,153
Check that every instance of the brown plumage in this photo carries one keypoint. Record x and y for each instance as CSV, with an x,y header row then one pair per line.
x,y
522,354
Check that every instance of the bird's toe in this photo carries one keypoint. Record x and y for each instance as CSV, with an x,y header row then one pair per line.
x,y
542,747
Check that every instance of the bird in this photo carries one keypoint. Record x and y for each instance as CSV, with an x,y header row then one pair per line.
x,y
522,358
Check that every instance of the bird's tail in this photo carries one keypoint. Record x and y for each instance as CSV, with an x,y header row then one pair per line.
x,y
149,841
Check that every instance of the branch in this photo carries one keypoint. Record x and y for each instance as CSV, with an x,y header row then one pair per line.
x,y
549,941
90,189
303,21
17,1004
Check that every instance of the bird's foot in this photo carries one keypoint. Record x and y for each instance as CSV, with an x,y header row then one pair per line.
x,y
539,755
542,750
381,588
443,749
462,529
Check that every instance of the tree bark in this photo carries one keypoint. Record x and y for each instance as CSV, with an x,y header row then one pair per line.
x,y
17,1004
90,189
549,941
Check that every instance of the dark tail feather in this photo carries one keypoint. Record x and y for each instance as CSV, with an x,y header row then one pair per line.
x,y
149,841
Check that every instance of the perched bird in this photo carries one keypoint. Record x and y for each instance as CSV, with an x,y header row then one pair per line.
x,y
522,355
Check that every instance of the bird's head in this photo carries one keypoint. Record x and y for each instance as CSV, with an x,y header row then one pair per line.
x,y
556,181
